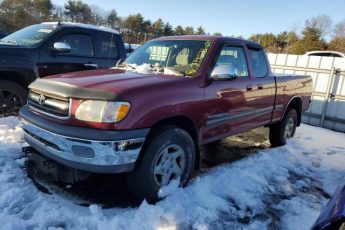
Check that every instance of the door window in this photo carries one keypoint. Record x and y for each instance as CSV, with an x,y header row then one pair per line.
x,y
259,62
81,44
235,56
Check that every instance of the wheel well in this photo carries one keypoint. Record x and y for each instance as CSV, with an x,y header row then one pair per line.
x,y
296,103
186,124
16,77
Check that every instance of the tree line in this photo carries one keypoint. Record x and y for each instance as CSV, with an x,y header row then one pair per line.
x,y
16,14
313,37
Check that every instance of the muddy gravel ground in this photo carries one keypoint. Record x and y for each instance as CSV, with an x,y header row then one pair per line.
x,y
110,191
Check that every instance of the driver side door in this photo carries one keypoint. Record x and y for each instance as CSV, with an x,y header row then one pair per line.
x,y
226,99
81,56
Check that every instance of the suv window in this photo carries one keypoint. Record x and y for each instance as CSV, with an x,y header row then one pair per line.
x,y
108,46
321,54
81,44
325,54
259,63
234,55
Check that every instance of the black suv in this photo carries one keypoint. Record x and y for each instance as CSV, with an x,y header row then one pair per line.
x,y
52,48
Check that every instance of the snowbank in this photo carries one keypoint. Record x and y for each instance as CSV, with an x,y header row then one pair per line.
x,y
283,187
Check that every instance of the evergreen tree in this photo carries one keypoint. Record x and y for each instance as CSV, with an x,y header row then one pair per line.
x,y
77,11
189,30
310,41
158,28
168,29
200,30
133,26
179,30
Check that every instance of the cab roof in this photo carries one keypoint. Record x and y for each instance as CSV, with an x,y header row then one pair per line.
x,y
210,38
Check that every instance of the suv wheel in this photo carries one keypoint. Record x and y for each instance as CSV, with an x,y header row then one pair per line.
x,y
169,155
12,98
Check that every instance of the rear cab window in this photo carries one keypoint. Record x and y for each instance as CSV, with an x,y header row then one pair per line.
x,y
258,61
108,45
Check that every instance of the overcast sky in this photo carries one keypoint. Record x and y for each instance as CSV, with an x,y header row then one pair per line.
x,y
244,17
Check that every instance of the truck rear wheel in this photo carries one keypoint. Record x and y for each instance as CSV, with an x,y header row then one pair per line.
x,y
12,98
169,155
283,130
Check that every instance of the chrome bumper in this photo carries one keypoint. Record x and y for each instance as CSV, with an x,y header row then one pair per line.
x,y
89,155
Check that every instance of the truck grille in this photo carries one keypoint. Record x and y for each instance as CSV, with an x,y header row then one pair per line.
x,y
49,105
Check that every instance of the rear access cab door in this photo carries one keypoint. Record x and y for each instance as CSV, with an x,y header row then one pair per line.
x,y
109,49
82,55
238,104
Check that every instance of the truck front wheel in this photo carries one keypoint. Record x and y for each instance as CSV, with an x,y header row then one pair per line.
x,y
284,129
12,98
168,155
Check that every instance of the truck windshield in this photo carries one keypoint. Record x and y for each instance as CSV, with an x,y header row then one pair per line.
x,y
29,36
177,57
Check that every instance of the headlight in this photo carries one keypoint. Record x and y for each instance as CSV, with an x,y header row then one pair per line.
x,y
102,111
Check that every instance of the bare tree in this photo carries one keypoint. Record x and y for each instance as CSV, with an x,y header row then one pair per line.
x,y
113,19
339,30
98,15
58,13
294,27
323,23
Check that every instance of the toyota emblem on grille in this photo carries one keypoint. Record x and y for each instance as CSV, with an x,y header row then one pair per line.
x,y
41,99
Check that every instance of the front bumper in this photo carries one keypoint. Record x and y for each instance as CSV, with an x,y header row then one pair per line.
x,y
92,150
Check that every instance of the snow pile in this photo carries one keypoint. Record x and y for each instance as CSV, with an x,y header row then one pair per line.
x,y
144,68
282,188
149,69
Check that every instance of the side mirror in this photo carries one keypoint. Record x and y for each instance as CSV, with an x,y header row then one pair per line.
x,y
61,47
224,72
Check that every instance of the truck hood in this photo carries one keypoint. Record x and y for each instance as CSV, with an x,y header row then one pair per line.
x,y
99,84
9,51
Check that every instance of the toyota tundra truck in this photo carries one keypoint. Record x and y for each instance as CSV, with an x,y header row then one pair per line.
x,y
147,116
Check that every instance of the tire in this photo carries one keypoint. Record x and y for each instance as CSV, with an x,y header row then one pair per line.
x,y
284,129
12,98
169,154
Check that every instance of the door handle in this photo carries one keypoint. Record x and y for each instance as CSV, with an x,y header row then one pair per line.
x,y
249,87
91,65
260,86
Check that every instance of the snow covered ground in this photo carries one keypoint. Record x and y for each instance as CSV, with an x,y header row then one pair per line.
x,y
282,188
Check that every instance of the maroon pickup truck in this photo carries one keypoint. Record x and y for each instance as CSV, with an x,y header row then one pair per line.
x,y
148,115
